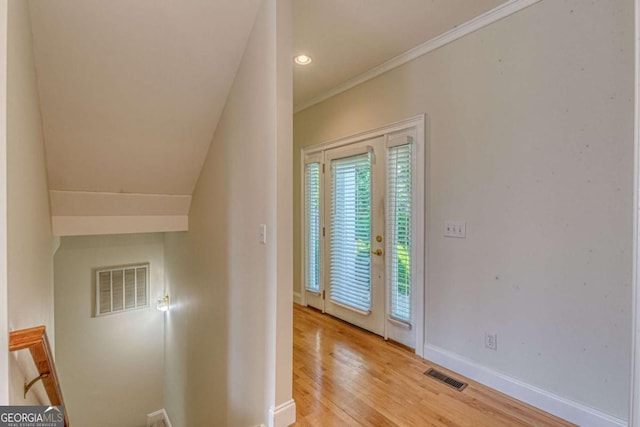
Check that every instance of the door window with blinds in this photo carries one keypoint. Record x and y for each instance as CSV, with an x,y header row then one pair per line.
x,y
351,232
120,289
363,230
399,213
312,225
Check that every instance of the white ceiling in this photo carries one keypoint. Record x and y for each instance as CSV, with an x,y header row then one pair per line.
x,y
345,38
131,90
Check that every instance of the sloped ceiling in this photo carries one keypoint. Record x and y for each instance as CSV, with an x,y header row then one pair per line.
x,y
131,90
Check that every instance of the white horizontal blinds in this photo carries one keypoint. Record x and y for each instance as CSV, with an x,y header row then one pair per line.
x,y
312,226
350,268
399,205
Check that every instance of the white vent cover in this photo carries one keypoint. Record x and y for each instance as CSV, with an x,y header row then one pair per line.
x,y
122,289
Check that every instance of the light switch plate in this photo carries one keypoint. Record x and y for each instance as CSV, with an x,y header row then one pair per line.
x,y
455,229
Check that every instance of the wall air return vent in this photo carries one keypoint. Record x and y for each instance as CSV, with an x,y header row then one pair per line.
x,y
121,289
451,382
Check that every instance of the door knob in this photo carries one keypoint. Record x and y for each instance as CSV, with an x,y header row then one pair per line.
x,y
377,252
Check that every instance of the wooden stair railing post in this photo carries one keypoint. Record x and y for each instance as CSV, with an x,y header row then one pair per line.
x,y
35,339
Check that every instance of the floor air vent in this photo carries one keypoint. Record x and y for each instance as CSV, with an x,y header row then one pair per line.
x,y
458,385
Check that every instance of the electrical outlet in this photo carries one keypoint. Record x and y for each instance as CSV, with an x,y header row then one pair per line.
x,y
491,341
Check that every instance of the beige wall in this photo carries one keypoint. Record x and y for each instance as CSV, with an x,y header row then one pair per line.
x,y
111,367
282,314
29,241
222,361
531,142
4,328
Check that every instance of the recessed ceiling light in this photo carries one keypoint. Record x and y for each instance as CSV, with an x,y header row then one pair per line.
x,y
302,59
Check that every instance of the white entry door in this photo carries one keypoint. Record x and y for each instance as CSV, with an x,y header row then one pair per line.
x,y
354,212
362,213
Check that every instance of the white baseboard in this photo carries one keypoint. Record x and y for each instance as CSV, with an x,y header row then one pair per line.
x,y
564,408
160,415
283,415
297,298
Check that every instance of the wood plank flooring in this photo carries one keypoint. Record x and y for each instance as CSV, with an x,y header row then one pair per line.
x,y
345,376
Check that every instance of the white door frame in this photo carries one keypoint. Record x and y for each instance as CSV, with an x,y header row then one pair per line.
x,y
420,123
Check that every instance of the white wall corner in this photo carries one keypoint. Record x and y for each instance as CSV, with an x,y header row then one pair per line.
x,y
559,406
155,417
55,244
283,415
297,298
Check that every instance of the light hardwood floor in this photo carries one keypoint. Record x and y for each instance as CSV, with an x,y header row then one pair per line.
x,y
345,376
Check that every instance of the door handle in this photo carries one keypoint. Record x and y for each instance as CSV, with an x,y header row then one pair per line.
x,y
377,252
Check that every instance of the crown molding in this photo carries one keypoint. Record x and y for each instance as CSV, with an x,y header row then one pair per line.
x,y
502,11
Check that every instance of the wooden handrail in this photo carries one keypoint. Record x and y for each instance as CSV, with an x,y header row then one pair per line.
x,y
35,339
